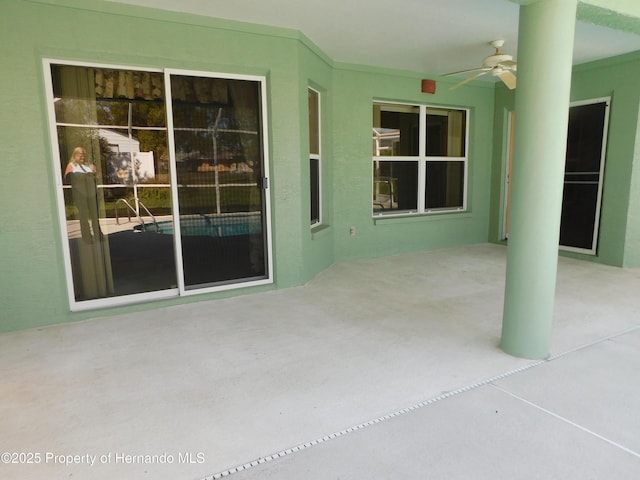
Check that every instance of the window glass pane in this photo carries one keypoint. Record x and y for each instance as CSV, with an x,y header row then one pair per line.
x,y
446,130
445,185
579,209
314,150
584,138
75,111
314,123
314,168
395,186
104,154
395,130
116,113
217,131
583,168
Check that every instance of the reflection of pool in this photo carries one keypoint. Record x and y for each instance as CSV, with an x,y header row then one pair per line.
x,y
210,226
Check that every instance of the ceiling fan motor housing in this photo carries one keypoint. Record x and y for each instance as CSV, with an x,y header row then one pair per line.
x,y
500,65
496,59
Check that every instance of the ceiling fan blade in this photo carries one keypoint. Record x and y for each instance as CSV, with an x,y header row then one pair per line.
x,y
508,78
467,80
484,69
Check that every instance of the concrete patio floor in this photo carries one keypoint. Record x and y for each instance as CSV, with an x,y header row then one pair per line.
x,y
378,368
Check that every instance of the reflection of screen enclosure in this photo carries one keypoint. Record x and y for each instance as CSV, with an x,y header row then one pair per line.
x,y
218,145
190,150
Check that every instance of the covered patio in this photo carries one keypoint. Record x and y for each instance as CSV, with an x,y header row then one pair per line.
x,y
378,368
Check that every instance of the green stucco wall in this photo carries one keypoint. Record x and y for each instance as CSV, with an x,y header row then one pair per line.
x,y
33,285
354,91
504,102
632,244
617,77
33,290
316,71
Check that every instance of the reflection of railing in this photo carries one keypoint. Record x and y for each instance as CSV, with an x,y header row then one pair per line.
x,y
385,140
379,198
135,212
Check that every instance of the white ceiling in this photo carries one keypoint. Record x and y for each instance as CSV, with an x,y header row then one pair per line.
x,y
430,36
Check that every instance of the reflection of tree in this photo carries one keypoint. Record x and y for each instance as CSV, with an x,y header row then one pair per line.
x,y
133,114
237,136
156,142
144,113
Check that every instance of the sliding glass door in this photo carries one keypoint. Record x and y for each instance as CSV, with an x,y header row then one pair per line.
x,y
161,181
217,140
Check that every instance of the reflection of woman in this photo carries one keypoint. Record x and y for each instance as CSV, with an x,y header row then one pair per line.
x,y
82,178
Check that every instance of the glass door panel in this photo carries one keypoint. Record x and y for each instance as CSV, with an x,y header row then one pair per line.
x,y
584,171
583,175
218,151
112,144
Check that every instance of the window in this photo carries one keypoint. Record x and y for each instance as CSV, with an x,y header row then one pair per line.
x,y
314,157
161,181
419,159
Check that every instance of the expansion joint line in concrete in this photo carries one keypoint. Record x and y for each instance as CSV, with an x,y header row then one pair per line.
x,y
566,420
444,396
366,424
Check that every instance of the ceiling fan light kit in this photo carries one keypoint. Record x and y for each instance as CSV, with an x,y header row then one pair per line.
x,y
500,65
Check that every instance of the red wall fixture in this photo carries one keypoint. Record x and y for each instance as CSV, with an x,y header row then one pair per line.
x,y
428,86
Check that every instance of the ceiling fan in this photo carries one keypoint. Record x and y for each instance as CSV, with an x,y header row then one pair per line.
x,y
500,65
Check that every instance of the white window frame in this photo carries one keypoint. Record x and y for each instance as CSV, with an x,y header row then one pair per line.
x,y
423,159
318,158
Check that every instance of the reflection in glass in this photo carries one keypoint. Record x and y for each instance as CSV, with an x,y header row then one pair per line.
x,y
314,157
446,130
428,146
445,185
314,182
314,122
81,175
396,130
119,199
116,117
395,186
218,143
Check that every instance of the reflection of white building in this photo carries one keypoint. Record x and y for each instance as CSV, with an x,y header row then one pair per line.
x,y
128,159
119,143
